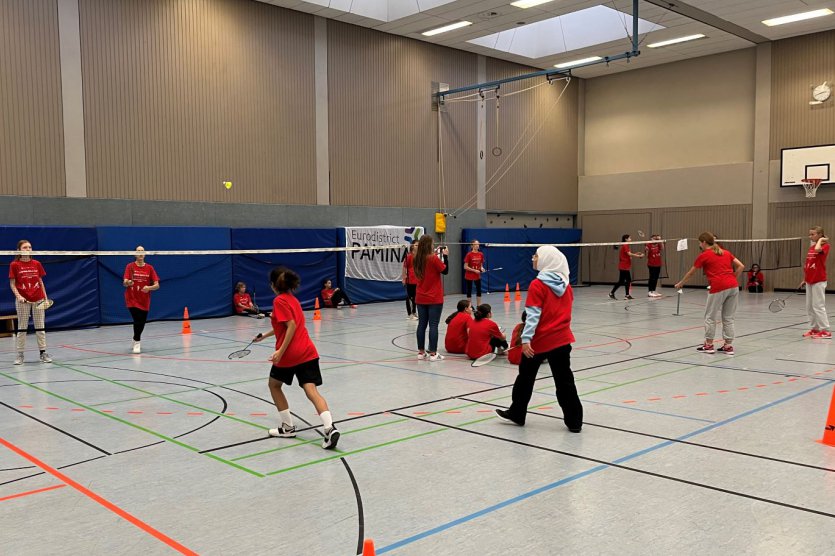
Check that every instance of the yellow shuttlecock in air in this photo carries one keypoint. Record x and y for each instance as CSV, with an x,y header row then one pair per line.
x,y
227,184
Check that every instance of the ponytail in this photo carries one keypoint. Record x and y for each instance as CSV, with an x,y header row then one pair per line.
x,y
462,306
482,311
710,240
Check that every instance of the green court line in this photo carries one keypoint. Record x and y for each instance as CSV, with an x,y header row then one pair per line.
x,y
133,425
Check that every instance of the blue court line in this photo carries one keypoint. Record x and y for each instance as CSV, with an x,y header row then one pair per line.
x,y
571,478
650,411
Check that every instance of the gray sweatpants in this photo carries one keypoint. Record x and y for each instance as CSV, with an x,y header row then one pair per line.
x,y
723,303
23,311
816,305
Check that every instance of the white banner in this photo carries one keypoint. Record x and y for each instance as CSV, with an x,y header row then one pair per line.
x,y
385,265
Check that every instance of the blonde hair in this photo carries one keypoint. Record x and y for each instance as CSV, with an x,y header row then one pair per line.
x,y
710,239
818,230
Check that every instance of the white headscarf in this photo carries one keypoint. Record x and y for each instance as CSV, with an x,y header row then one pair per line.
x,y
551,259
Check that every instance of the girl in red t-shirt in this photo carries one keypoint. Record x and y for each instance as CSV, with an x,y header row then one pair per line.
x,y
473,267
547,336
26,280
429,295
139,280
514,352
455,340
243,303
624,267
483,335
333,297
410,282
756,280
653,252
814,277
722,270
294,356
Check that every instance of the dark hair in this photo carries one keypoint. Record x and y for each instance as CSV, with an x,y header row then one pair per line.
x,y
238,286
424,251
755,265
325,281
524,316
624,237
282,279
482,311
462,306
19,243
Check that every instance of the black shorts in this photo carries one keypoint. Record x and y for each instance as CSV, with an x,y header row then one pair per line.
x,y
307,373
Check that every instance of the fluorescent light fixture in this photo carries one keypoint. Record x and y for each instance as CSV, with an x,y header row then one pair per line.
x,y
578,62
675,41
445,28
529,3
797,17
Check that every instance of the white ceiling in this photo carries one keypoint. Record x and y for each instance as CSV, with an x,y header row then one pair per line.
x,y
494,16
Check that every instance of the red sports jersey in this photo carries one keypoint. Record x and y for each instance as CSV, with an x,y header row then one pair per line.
x,y
410,269
456,333
755,279
719,270
554,328
142,276
624,260
327,296
815,269
242,301
478,337
287,308
473,259
27,278
654,254
430,290
514,356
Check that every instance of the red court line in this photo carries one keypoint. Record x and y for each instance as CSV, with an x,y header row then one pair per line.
x,y
96,498
28,492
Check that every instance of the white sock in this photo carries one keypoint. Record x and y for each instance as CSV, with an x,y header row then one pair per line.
x,y
286,417
327,420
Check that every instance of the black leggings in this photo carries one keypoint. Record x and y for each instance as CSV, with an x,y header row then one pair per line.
x,y
338,297
498,343
140,317
470,287
755,289
624,279
411,292
654,273
559,360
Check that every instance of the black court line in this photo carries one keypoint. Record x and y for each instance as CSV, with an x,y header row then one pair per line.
x,y
749,370
624,467
824,363
659,437
44,473
53,427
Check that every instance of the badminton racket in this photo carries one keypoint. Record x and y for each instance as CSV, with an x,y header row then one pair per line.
x,y
641,234
241,353
44,303
780,303
492,269
488,357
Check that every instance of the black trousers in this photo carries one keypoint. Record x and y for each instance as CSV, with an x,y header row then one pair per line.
x,y
469,286
338,297
755,289
411,292
140,317
654,273
498,343
625,280
559,360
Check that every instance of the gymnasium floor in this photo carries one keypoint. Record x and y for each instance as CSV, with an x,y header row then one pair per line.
x,y
680,453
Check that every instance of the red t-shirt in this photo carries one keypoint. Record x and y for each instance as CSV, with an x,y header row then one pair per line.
x,y
141,276
327,295
478,337
755,279
473,259
815,269
554,328
514,356
456,333
287,308
719,270
430,290
27,279
654,254
410,269
242,301
624,260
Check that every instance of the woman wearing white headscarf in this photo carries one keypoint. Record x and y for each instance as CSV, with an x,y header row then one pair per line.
x,y
547,335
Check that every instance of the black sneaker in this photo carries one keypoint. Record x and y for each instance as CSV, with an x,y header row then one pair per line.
x,y
284,431
612,296
575,429
504,416
629,297
331,438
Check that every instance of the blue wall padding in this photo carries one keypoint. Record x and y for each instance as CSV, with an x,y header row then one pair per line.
x,y
515,262
70,281
203,283
254,270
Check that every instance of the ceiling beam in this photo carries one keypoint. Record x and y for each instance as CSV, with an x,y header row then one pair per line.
x,y
709,19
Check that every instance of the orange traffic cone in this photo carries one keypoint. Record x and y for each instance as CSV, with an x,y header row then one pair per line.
x,y
507,293
368,548
317,314
518,293
829,427
186,323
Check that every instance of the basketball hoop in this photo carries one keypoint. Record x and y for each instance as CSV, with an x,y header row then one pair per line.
x,y
811,186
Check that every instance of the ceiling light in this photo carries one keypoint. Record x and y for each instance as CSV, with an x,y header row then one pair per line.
x,y
797,17
676,41
445,28
578,62
529,3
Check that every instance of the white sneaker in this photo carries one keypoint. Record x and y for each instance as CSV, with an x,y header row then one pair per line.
x,y
137,348
409,317
45,358
284,431
414,316
331,438
18,360
436,357
421,356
